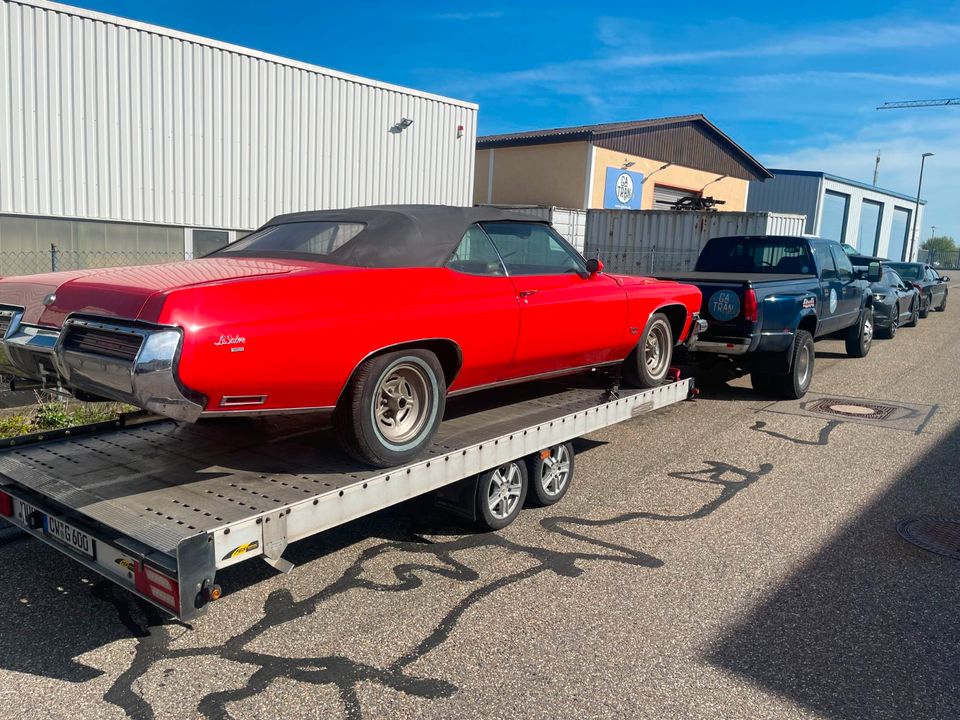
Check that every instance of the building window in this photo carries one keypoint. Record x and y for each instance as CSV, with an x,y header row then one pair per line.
x,y
868,237
31,245
899,228
206,241
833,222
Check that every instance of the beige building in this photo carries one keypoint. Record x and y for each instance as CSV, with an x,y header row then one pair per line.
x,y
641,165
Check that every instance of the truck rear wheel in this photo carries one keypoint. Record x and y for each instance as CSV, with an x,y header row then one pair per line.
x,y
794,384
648,364
860,336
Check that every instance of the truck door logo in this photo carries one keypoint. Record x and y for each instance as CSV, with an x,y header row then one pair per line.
x,y
724,305
833,300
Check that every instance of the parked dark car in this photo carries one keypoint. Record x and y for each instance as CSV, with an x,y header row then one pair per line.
x,y
931,284
896,302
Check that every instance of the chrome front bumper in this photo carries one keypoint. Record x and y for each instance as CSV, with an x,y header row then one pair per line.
x,y
147,378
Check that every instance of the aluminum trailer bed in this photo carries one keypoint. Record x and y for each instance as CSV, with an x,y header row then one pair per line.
x,y
159,507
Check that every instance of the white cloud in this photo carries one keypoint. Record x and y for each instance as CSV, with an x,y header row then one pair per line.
x,y
468,16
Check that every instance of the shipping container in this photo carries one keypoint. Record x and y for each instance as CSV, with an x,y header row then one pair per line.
x,y
655,241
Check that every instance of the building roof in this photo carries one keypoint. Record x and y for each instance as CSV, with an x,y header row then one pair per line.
x,y
689,140
847,181
230,47
392,236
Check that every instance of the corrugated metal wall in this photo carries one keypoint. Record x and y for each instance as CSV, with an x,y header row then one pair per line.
x,y
654,241
797,194
109,119
570,223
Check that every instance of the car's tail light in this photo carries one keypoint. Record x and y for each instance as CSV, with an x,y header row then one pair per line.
x,y
750,305
917,286
6,505
155,585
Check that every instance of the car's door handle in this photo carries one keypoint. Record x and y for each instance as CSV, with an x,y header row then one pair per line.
x,y
527,293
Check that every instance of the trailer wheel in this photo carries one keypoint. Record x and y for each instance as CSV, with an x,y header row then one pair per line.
x,y
551,472
500,495
392,408
647,365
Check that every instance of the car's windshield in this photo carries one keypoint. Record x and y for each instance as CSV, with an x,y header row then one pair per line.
x,y
326,240
756,255
910,271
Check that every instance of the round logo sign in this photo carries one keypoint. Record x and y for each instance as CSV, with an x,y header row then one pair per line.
x,y
724,305
833,300
624,188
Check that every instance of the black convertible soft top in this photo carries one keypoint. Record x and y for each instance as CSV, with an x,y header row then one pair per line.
x,y
397,236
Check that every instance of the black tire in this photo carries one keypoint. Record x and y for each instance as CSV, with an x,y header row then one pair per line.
x,y
550,474
914,314
389,436
891,332
860,336
763,383
647,366
943,305
513,475
925,301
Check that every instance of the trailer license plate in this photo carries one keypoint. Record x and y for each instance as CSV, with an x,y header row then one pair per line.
x,y
69,536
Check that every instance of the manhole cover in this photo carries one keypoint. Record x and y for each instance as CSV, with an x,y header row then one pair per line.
x,y
933,534
847,408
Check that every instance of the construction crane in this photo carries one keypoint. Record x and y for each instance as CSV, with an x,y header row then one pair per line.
x,y
918,103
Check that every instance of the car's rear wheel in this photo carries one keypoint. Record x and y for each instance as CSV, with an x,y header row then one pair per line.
x,y
943,305
392,408
860,336
925,301
914,313
648,364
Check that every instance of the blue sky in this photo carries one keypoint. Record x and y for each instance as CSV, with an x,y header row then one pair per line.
x,y
796,84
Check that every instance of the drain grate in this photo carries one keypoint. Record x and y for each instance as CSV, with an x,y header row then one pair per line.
x,y
853,408
934,534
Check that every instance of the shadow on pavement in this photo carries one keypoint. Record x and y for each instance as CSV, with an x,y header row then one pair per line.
x,y
870,627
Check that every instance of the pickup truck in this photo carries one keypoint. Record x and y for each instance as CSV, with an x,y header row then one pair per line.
x,y
767,298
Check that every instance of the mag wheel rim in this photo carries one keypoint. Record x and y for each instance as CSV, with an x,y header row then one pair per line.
x,y
803,367
503,495
655,351
555,471
867,331
402,403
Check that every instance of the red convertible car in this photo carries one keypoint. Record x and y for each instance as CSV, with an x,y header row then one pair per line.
x,y
374,314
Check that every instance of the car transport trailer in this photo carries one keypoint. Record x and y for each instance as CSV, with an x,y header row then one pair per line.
x,y
159,507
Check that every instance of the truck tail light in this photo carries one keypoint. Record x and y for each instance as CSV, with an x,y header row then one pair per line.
x,y
6,505
750,305
155,585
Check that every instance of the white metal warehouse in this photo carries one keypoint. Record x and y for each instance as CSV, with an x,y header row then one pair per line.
x,y
122,138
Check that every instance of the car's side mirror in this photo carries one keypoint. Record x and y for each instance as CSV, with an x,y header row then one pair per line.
x,y
873,272
944,278
594,266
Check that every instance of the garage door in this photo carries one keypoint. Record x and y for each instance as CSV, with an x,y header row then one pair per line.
x,y
664,197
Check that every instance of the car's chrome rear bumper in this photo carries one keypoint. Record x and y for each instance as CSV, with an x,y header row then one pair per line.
x,y
127,362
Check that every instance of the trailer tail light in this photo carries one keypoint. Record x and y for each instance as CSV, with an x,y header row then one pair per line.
x,y
750,305
155,585
6,505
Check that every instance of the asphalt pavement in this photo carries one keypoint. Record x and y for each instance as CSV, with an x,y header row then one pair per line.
x,y
731,557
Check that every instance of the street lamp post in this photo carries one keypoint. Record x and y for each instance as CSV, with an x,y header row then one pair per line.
x,y
916,212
